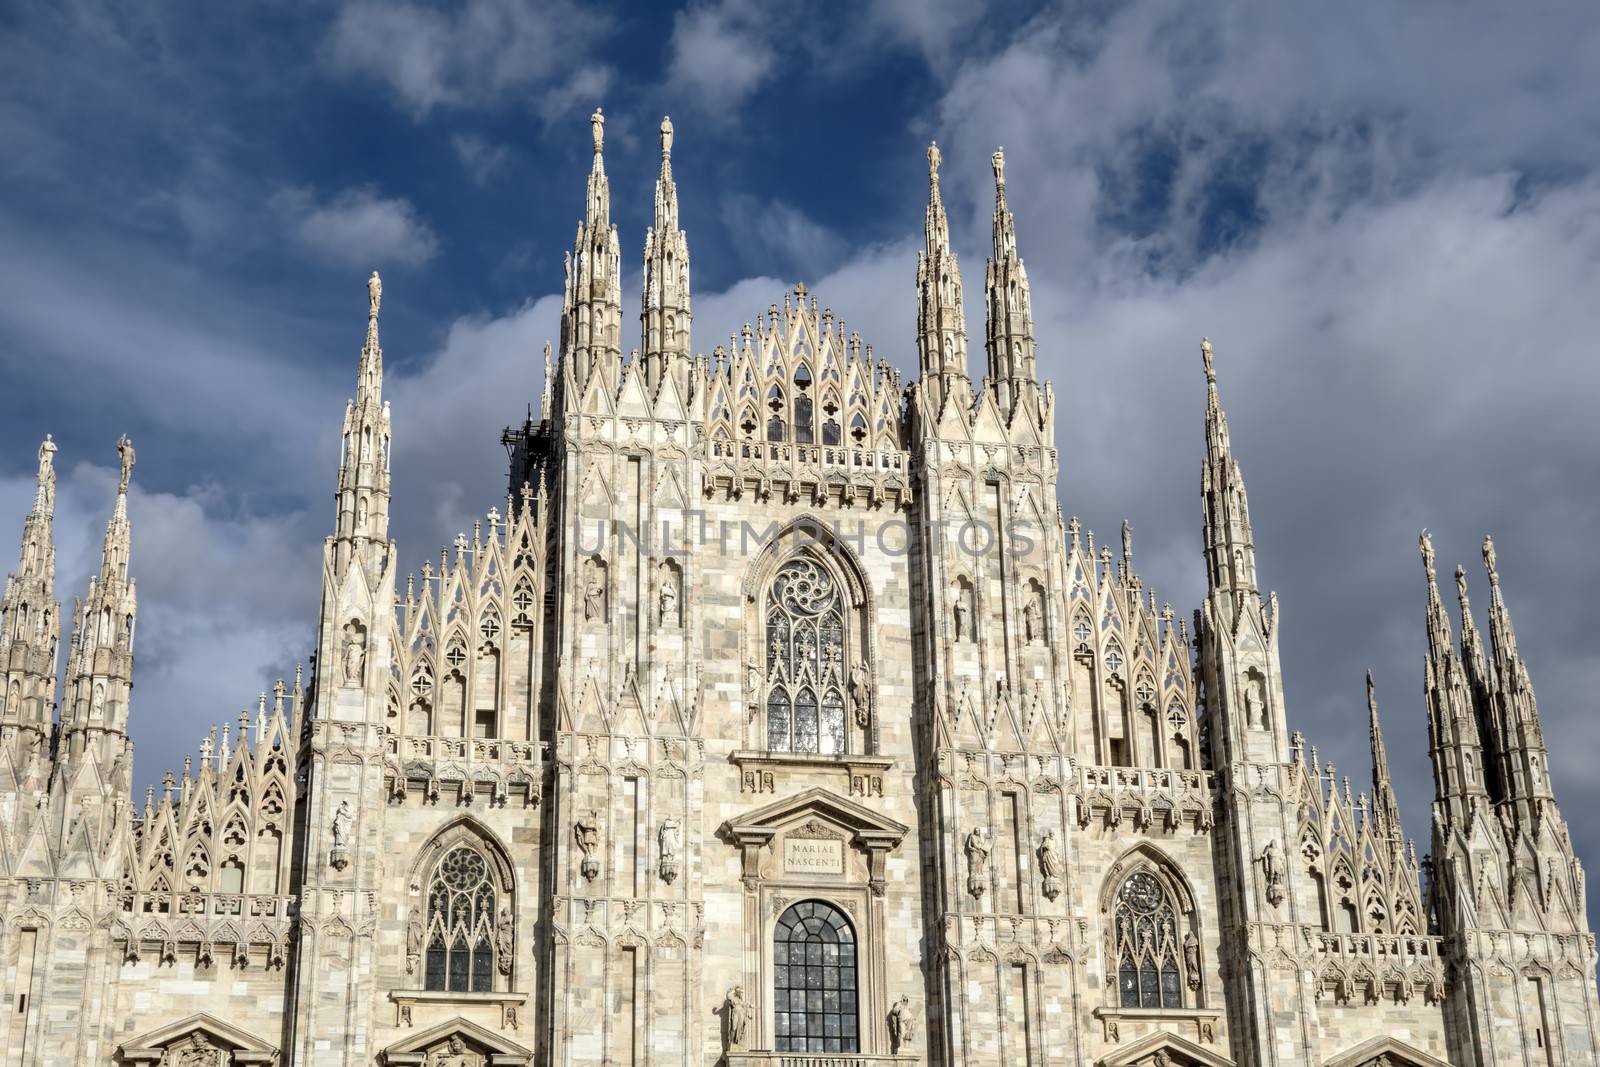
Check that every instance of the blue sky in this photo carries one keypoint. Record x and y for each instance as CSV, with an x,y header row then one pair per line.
x,y
1386,217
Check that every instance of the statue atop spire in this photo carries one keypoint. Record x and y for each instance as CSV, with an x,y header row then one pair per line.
x,y
1489,560
597,127
1013,374
998,161
665,316
1205,356
126,456
1425,543
941,320
666,137
374,296
591,306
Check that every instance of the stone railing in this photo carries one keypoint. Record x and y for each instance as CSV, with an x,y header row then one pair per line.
x,y
763,1058
788,453
227,905
1390,948
1144,794
467,766
465,749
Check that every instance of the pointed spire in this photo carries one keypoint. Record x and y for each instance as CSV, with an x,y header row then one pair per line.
x,y
592,303
1230,544
1455,741
100,667
1502,635
941,321
30,624
1512,709
363,497
1012,371
1385,805
664,318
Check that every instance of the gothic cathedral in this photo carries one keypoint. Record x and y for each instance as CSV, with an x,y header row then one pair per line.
x,y
776,718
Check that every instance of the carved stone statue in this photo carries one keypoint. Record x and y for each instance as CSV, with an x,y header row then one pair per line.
x,y
454,1053
1255,705
963,617
586,834
736,1017
860,693
340,827
667,841
902,1025
196,1050
354,659
504,940
669,598
1191,959
978,847
594,592
1051,864
1032,621
1272,869
413,940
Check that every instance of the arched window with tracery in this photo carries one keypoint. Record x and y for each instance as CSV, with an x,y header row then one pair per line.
x,y
805,660
814,980
462,907
1155,953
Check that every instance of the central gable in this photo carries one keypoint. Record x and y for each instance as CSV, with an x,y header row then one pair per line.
x,y
818,814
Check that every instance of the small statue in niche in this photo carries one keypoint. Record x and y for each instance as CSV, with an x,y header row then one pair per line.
x,y
1032,621
978,846
1050,864
1255,705
1272,869
668,598
353,660
504,940
667,844
902,1025
752,682
413,940
454,1054
861,693
586,834
963,616
736,1017
594,591
340,827
1191,959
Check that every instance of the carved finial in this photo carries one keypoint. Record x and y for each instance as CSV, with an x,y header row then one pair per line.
x,y
1461,582
666,135
1372,699
374,295
126,455
934,159
1425,542
1205,354
1127,539
597,124
1489,560
998,160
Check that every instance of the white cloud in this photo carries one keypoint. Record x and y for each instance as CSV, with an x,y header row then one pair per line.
x,y
721,53
475,53
359,227
482,159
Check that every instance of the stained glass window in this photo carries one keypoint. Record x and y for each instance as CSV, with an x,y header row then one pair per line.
x,y
461,917
814,980
1146,944
805,660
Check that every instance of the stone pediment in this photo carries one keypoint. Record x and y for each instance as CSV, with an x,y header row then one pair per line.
x,y
816,812
1384,1052
205,1040
1164,1050
456,1042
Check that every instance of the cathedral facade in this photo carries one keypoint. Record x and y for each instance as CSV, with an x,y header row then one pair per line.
x,y
777,717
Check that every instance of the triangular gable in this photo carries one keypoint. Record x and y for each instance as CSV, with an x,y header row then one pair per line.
x,y
1399,1053
496,1050
875,834
199,1030
1181,1052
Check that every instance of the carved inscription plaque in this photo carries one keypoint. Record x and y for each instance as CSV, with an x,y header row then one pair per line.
x,y
810,855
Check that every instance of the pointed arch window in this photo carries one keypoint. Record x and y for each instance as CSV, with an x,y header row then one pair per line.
x,y
805,660
462,904
1150,946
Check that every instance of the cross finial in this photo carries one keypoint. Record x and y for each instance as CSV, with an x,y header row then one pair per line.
x,y
126,455
597,125
1205,355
